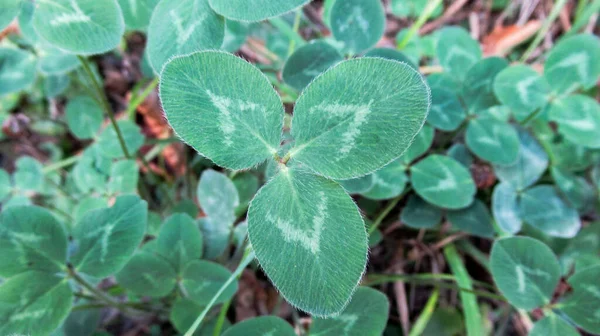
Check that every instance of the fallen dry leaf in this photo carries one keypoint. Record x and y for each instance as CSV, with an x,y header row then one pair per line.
x,y
504,38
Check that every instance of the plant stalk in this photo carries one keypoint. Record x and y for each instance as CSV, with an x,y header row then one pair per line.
x,y
545,27
427,12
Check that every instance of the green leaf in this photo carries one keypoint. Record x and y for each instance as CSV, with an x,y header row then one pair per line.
x,y
391,54
17,70
358,185
235,124
25,19
109,144
522,89
572,63
216,232
444,182
180,28
447,112
254,10
531,163
541,207
419,214
124,177
34,303
366,314
505,208
137,13
525,271
186,206
184,313
87,177
493,140
388,182
82,322
83,27
461,154
552,325
84,117
147,274
360,24
578,119
420,145
202,279
444,81
457,51
261,326
29,175
580,194
311,221
475,219
5,185
217,196
309,61
179,241
106,238
235,36
247,185
57,62
55,85
412,8
478,86
582,305
9,9
31,239
88,204
358,116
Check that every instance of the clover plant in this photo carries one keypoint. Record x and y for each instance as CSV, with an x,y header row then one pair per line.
x,y
229,167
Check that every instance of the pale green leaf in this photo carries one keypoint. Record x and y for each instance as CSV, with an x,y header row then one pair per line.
x,y
505,208
108,142
29,175
147,274
358,185
478,86
522,89
179,241
303,226
391,54
578,119
124,177
84,116
105,239
582,306
461,154
541,207
137,13
25,19
525,270
358,116
186,206
261,326
217,196
457,51
180,28
360,24
17,70
531,163
55,85
573,63
9,9
412,8
444,81
235,124
202,279
5,185
420,145
235,36
388,182
419,214
447,112
31,239
366,314
552,325
247,185
254,10
84,27
309,61
184,313
87,177
444,182
88,204
215,232
34,303
580,194
57,62
82,322
475,219
493,140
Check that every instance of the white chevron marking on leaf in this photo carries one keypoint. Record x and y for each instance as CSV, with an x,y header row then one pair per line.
x,y
67,18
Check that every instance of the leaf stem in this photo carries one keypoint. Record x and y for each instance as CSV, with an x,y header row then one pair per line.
x,y
288,31
425,14
295,28
61,164
105,104
545,27
246,259
387,210
137,100
425,316
221,318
